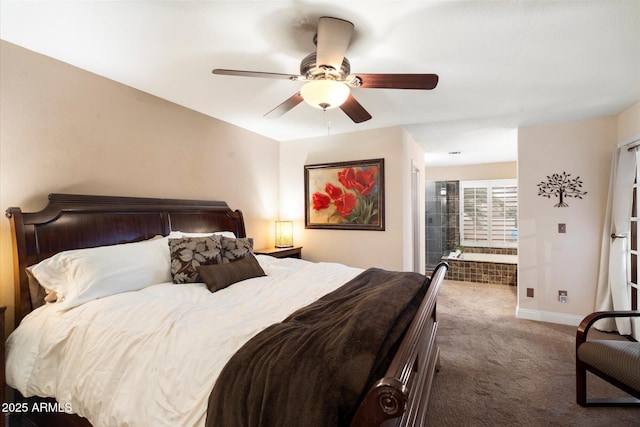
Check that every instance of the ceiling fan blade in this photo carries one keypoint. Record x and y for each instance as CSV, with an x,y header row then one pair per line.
x,y
285,106
398,81
355,110
332,41
261,74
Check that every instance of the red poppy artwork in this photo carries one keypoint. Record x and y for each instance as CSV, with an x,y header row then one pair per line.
x,y
345,195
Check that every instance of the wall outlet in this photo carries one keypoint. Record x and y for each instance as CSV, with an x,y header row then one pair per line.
x,y
562,228
530,292
562,296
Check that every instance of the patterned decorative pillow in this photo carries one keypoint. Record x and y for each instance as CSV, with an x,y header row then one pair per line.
x,y
188,253
235,249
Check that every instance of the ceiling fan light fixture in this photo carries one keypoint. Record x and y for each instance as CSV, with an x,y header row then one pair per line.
x,y
325,94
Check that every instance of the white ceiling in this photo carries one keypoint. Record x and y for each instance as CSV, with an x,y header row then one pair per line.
x,y
502,64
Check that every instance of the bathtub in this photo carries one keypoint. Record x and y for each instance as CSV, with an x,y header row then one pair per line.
x,y
483,268
496,258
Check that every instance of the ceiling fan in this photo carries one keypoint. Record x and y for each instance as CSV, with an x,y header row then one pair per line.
x,y
327,73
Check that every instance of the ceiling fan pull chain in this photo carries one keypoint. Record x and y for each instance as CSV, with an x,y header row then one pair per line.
x,y
327,122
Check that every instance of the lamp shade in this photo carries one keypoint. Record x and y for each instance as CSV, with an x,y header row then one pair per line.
x,y
284,234
325,94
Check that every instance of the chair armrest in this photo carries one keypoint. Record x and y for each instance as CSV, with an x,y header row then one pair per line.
x,y
587,322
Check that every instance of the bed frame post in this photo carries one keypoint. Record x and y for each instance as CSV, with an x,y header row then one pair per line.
x,y
22,302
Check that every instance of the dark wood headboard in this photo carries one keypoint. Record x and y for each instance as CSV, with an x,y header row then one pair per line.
x,y
72,221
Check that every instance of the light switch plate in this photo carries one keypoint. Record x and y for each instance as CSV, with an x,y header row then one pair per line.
x,y
562,228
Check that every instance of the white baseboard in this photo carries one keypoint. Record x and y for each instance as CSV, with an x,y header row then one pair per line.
x,y
548,316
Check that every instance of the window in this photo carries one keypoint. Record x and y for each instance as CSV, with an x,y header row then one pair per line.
x,y
489,213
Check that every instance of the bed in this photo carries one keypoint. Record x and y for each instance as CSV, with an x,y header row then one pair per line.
x,y
217,351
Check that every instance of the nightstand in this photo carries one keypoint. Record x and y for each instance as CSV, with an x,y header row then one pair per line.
x,y
292,252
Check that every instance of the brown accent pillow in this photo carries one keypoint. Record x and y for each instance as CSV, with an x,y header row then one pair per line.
x,y
219,276
188,253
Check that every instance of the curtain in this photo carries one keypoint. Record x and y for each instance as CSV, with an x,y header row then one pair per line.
x,y
613,281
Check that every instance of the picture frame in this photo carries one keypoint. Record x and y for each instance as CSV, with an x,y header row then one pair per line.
x,y
345,195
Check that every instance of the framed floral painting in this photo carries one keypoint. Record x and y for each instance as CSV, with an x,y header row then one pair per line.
x,y
345,195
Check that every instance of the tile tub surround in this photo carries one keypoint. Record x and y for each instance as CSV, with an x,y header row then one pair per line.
x,y
479,250
502,269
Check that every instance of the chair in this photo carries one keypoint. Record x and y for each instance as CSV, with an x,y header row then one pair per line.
x,y
616,361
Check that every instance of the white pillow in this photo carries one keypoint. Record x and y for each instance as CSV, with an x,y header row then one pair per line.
x,y
179,234
82,275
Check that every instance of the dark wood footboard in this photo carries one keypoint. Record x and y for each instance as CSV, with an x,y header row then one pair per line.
x,y
403,394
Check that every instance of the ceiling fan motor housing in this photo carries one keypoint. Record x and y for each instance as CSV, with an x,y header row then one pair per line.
x,y
312,71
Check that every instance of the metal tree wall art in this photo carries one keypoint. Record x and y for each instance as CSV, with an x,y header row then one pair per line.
x,y
561,186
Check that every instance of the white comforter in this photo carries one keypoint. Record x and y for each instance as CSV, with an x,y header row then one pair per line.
x,y
151,357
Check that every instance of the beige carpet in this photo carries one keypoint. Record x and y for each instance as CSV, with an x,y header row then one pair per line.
x,y
497,370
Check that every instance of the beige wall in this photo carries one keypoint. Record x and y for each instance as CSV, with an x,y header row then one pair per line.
x,y
63,129
501,170
357,248
549,261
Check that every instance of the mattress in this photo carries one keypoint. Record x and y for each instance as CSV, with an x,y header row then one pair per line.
x,y
152,356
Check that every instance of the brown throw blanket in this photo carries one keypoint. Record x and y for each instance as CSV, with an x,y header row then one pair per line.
x,y
315,367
